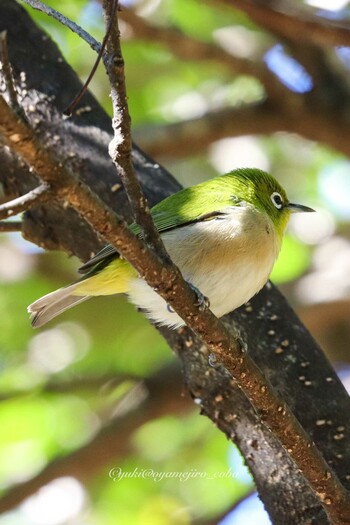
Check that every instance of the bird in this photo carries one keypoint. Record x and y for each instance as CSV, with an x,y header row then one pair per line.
x,y
224,234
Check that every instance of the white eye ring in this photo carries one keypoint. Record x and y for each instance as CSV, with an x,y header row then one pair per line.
x,y
277,200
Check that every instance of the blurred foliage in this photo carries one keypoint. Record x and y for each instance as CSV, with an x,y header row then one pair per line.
x,y
106,336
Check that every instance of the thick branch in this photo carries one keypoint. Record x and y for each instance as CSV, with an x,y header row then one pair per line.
x,y
170,285
190,137
280,484
285,19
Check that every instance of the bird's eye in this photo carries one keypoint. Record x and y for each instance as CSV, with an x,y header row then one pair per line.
x,y
277,200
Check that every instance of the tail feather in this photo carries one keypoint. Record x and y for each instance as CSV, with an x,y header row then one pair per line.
x,y
53,304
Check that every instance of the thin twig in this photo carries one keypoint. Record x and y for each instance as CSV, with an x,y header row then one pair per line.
x,y
301,344
169,283
24,202
94,44
69,110
8,76
10,226
121,145
84,35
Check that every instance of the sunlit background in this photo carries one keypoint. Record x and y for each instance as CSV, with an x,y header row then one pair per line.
x,y
62,386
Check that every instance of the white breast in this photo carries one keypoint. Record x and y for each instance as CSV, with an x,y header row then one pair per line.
x,y
229,259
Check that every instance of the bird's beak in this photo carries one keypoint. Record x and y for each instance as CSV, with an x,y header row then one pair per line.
x,y
296,208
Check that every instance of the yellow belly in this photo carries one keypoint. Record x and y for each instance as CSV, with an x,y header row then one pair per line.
x,y
114,278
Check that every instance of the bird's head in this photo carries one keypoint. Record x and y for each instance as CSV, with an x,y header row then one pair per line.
x,y
262,190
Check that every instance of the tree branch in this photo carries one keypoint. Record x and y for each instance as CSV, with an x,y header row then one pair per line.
x,y
285,19
25,202
168,282
84,35
10,226
121,146
279,482
193,136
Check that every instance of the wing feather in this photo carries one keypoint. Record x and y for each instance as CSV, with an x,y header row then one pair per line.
x,y
185,207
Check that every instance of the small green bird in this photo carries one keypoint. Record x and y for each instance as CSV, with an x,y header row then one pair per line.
x,y
224,235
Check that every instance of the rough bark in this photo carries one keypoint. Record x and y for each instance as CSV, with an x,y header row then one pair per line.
x,y
285,356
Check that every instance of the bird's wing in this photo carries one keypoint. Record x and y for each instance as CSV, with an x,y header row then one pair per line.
x,y
103,254
174,212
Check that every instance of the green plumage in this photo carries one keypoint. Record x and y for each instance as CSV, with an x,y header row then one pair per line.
x,y
224,234
203,202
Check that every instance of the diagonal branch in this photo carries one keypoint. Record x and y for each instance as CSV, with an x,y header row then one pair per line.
x,y
84,35
273,411
73,192
25,202
276,481
286,20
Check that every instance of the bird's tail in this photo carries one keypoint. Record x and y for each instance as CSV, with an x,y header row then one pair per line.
x,y
53,304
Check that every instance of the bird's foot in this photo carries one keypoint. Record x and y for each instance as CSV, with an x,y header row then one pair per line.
x,y
242,345
213,361
202,301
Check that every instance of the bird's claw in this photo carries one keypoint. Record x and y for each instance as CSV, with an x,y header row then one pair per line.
x,y
214,363
212,360
202,301
242,345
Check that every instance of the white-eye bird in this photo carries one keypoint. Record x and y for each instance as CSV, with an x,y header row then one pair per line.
x,y
224,234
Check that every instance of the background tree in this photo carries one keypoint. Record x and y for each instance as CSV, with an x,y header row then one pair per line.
x,y
226,95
